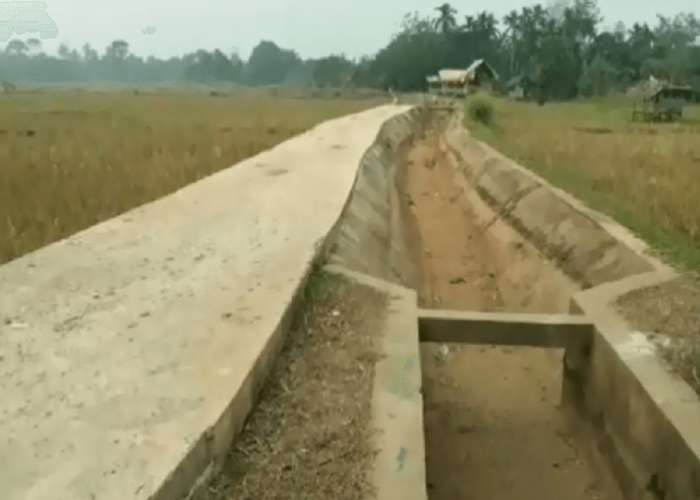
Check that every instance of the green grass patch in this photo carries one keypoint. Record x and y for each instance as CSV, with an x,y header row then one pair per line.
x,y
320,284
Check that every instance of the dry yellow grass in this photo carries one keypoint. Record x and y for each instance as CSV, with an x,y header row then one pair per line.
x,y
70,160
647,176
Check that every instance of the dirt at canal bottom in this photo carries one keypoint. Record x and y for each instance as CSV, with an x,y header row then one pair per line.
x,y
492,421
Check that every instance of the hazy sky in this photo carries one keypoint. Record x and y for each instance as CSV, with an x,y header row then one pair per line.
x,y
311,27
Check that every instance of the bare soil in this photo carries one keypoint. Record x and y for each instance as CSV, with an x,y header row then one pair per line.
x,y
670,314
492,423
310,435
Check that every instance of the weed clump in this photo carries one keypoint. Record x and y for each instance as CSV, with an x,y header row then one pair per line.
x,y
481,111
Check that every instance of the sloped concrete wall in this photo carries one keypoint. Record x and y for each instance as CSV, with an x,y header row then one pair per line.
x,y
373,235
642,423
643,419
562,228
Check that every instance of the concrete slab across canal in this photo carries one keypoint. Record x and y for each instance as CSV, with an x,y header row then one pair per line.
x,y
129,353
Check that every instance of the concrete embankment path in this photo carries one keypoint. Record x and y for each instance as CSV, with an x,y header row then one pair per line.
x,y
129,352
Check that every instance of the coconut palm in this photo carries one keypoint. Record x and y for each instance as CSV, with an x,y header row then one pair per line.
x,y
446,21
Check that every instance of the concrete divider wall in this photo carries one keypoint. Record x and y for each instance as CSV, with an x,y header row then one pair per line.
x,y
131,353
640,421
372,235
644,420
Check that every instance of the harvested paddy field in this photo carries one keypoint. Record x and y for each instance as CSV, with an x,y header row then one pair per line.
x,y
69,160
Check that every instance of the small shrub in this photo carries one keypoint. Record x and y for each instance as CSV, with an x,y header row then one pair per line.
x,y
481,111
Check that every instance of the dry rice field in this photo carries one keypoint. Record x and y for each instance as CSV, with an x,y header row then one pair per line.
x,y
647,176
69,160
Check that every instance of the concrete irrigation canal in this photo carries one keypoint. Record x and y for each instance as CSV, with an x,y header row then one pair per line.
x,y
380,308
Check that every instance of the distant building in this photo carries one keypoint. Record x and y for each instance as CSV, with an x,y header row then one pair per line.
x,y
666,102
521,87
459,82
481,75
434,84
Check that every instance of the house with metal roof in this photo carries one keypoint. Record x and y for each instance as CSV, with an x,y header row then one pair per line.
x,y
521,87
664,102
460,82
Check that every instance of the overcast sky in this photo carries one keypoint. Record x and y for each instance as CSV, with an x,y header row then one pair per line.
x,y
312,27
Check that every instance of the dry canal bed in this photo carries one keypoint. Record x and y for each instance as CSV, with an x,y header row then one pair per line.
x,y
493,425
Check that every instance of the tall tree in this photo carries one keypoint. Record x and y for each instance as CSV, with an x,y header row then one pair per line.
x,y
415,52
269,64
480,33
16,47
115,60
333,71
446,20
33,45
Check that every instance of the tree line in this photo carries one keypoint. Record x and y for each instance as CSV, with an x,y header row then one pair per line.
x,y
561,47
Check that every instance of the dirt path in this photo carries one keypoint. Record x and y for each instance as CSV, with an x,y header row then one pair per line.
x,y
310,435
493,429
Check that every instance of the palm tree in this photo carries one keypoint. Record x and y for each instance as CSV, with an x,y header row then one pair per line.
x,y
511,36
446,21
16,47
33,44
